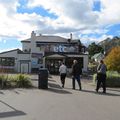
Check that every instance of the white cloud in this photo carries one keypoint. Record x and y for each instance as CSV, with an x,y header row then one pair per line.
x,y
72,12
79,15
4,41
88,40
8,49
74,16
110,12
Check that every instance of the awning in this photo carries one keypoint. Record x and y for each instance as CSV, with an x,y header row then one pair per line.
x,y
55,56
73,55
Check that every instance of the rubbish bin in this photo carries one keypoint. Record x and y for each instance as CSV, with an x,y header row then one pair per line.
x,y
43,78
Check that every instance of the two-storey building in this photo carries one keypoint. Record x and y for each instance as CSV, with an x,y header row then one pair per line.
x,y
44,51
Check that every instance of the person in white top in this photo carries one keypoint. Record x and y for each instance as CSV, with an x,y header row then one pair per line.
x,y
63,73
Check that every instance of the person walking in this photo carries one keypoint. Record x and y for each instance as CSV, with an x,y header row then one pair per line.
x,y
63,73
76,72
101,76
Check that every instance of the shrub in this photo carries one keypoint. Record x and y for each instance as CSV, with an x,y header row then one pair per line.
x,y
113,79
95,78
20,80
112,60
23,81
92,67
4,81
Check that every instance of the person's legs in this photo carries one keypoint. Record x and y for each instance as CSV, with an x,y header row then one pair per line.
x,y
73,82
99,81
63,79
104,83
98,85
79,82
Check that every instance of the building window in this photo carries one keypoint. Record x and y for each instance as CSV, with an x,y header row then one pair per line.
x,y
69,61
40,61
7,61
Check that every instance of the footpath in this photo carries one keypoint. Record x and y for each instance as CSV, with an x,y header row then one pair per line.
x,y
57,103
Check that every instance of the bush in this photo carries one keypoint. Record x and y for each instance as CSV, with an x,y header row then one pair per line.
x,y
20,80
112,60
23,81
113,79
92,67
4,81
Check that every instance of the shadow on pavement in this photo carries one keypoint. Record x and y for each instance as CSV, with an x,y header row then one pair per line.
x,y
51,80
100,93
57,89
112,89
54,85
1,92
11,114
14,112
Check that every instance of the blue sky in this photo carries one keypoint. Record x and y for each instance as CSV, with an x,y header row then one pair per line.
x,y
91,22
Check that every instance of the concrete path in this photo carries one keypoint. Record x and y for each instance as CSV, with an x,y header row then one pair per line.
x,y
59,104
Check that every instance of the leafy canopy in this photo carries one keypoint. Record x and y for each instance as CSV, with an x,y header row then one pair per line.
x,y
113,59
93,48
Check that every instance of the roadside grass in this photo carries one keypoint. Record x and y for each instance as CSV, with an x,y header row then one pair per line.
x,y
113,79
15,81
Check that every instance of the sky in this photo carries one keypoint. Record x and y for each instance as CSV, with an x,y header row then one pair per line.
x,y
87,20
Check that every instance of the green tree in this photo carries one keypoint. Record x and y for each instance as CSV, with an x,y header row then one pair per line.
x,y
112,60
93,48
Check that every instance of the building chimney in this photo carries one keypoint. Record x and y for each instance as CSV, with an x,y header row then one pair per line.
x,y
40,34
71,36
33,34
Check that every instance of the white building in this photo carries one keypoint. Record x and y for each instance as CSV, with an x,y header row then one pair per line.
x,y
97,57
43,51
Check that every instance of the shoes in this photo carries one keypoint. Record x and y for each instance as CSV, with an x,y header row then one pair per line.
x,y
80,89
96,90
104,92
73,88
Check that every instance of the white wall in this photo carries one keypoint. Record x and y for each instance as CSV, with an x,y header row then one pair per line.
x,y
85,59
23,57
26,46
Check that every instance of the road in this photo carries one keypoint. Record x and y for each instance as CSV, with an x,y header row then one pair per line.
x,y
57,103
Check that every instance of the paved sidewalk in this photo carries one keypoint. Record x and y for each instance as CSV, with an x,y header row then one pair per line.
x,y
59,104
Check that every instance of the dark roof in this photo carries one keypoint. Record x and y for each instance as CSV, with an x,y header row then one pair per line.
x,y
26,40
18,50
50,39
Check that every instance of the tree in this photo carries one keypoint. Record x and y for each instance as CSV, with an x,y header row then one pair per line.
x,y
113,59
93,48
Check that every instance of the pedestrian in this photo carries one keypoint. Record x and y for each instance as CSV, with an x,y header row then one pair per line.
x,y
76,72
63,73
101,76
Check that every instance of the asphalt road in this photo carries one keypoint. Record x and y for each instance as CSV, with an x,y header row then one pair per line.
x,y
57,103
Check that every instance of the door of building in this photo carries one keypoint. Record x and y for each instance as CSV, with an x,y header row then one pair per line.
x,y
24,68
53,65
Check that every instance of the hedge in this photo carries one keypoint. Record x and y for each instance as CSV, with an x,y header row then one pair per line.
x,y
113,79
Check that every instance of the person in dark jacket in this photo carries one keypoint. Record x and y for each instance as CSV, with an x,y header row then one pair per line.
x,y
76,72
101,76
